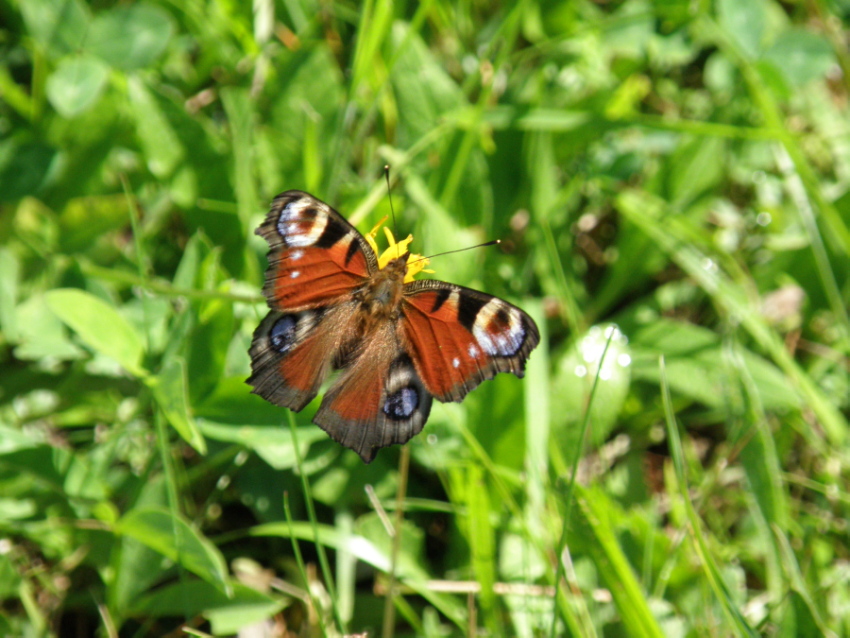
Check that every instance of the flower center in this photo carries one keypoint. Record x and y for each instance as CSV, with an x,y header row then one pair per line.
x,y
415,263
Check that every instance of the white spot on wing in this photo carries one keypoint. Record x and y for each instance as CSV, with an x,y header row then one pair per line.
x,y
456,362
294,274
494,337
296,228
473,351
295,255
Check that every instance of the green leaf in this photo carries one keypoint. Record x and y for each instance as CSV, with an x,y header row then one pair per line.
x,y
76,84
41,335
228,614
482,542
594,532
60,26
695,168
712,572
24,168
178,541
376,554
630,33
745,22
99,326
272,443
697,368
10,577
574,379
801,56
645,211
135,568
160,143
10,266
170,387
239,107
85,219
131,37
314,77
421,104
12,440
40,464
208,345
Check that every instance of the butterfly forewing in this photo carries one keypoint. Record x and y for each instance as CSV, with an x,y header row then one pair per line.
x,y
459,337
316,256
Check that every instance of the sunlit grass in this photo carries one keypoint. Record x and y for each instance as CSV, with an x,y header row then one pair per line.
x,y
670,187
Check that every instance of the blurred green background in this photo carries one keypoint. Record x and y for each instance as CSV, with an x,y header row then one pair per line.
x,y
670,181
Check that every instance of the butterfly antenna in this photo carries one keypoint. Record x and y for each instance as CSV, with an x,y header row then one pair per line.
x,y
492,242
390,195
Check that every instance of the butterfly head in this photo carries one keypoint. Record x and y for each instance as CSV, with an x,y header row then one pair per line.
x,y
397,250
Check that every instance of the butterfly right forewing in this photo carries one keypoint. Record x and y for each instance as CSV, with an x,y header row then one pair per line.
x,y
459,337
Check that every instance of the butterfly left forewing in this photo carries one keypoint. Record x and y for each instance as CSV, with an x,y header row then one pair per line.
x,y
378,400
459,337
316,259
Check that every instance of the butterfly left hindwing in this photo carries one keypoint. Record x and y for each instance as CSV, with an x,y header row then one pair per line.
x,y
397,344
291,355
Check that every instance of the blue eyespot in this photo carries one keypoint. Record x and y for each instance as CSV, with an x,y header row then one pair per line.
x,y
402,403
283,333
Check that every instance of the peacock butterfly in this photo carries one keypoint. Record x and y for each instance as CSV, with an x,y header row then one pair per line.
x,y
397,341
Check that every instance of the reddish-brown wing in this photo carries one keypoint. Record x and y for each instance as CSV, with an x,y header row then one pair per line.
x,y
378,400
316,259
458,337
292,353
316,262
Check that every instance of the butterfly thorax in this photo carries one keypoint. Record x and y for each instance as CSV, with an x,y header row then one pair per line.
x,y
379,302
381,297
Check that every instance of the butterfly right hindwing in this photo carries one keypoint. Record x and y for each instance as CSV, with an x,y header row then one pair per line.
x,y
379,400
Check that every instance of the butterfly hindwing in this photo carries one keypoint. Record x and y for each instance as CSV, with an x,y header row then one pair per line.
x,y
459,337
379,400
286,358
292,353
316,256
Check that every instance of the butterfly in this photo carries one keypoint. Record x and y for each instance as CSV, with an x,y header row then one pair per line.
x,y
397,342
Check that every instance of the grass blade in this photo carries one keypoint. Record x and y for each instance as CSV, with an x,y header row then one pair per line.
x,y
718,586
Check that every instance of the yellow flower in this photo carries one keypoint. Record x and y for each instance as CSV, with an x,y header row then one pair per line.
x,y
415,263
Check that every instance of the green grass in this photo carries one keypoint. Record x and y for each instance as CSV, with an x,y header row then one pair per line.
x,y
671,184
